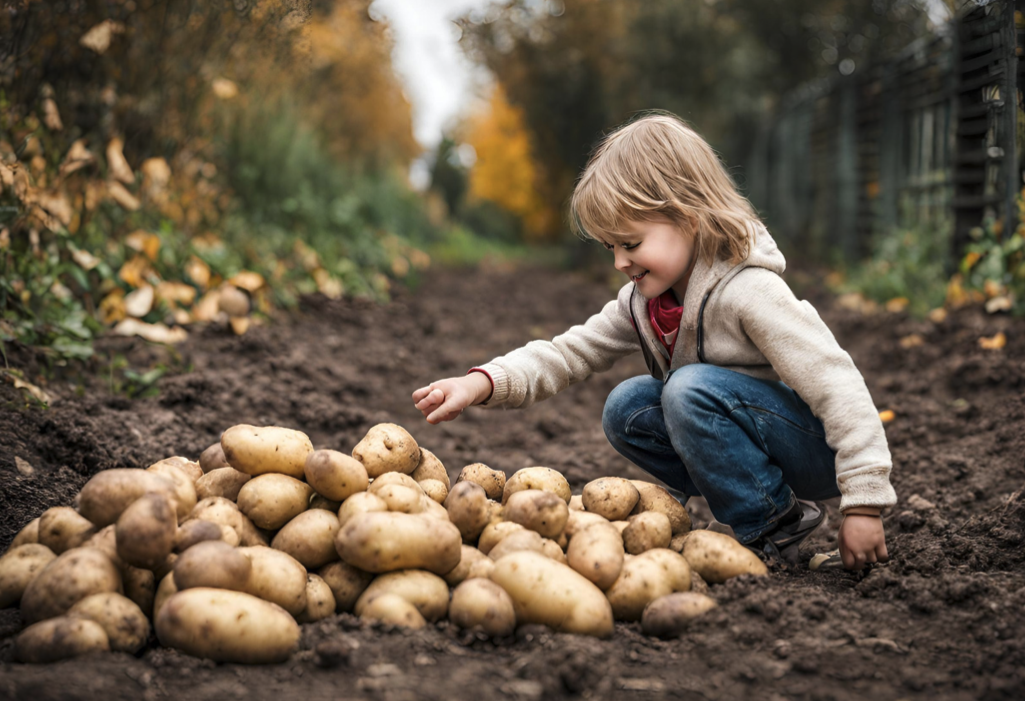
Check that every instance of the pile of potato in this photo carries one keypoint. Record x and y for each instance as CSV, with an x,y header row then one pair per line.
x,y
228,555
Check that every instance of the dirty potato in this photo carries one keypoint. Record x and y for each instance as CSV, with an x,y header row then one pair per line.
x,y
387,448
221,482
346,582
122,620
388,541
110,492
165,590
538,511
140,586
401,499
495,533
641,581
212,563
192,469
393,610
67,580
277,577
467,506
62,528
197,531
220,511
426,591
309,538
335,475
543,478
28,534
480,603
184,486
656,498
59,639
430,468
360,503
259,450
213,458
647,530
18,567
491,481
469,555
718,557
271,500
320,600
515,542
668,616
435,489
597,553
145,531
612,497
579,520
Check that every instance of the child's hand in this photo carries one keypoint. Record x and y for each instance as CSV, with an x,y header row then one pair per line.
x,y
444,400
862,540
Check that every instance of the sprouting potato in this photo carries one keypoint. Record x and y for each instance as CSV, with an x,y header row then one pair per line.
x,y
543,478
467,506
426,591
346,582
110,492
494,534
67,580
394,610
335,475
491,481
18,567
482,603
309,538
647,530
122,620
597,553
430,468
612,497
320,600
656,498
259,450
538,511
212,563
388,541
62,528
668,616
145,531
360,503
515,542
271,500
717,557
213,458
387,448
221,482
59,639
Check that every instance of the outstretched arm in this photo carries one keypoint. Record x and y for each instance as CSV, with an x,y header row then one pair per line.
x,y
445,399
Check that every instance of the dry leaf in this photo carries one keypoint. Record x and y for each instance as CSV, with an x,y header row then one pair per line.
x,y
897,305
998,304
938,315
51,115
247,280
329,286
176,293
198,271
138,303
181,317
239,324
208,307
993,342
887,415
420,259
224,89
956,295
135,271
78,157
99,37
123,197
117,164
156,175
85,259
57,208
112,308
156,333
912,341
5,238
144,242
29,387
992,288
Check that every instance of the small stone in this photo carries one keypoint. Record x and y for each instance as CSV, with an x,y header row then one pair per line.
x,y
24,467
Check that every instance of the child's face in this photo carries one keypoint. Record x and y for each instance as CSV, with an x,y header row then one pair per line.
x,y
656,255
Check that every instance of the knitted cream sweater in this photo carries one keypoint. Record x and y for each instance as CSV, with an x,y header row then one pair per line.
x,y
752,323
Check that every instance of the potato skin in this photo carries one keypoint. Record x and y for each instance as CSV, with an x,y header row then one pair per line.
x,y
191,469
212,563
335,475
196,531
27,535
227,626
597,553
394,610
641,581
547,592
467,506
469,555
110,492
537,510
668,616
59,639
675,565
656,498
430,468
482,603
384,542
276,577
213,458
401,499
647,530
515,542
122,620
145,531
165,590
579,520
62,528
426,591
612,497
309,538
259,450
435,489
491,481
387,448
140,587
18,567
495,533
392,478
272,500
221,511
544,478
551,549
346,582
320,600
221,482
67,580
576,503
184,486
360,503
717,557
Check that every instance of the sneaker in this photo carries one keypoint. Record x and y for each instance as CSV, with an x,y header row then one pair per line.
x,y
797,524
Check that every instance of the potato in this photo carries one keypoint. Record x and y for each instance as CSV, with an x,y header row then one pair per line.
x,y
597,553
543,478
676,544
579,520
481,568
496,512
392,478
647,530
718,557
544,591
335,475
401,499
468,556
259,450
620,526
494,534
145,531
110,492
166,566
212,563
125,624
227,626
387,448
18,567
67,580
221,482
309,538
515,542
467,506
318,501
612,497
435,489
549,548
491,481
198,531
276,577
320,600
697,584
360,503
480,603
62,528
426,591
675,565
191,469
220,511
272,500
430,468
668,616
59,639
385,542
105,540
27,535
576,503
251,535
213,458
429,507
140,586
538,511
165,591
641,581
394,610
346,582
184,486
656,498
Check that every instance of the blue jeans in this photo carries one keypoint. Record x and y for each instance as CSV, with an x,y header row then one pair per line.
x,y
750,447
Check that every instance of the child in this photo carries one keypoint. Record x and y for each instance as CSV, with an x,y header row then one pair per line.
x,y
751,403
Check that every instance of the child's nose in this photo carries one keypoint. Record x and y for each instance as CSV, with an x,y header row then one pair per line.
x,y
622,260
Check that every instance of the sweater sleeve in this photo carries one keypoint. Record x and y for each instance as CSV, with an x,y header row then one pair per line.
x,y
541,369
805,355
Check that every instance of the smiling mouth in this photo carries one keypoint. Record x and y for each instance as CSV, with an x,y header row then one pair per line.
x,y
637,278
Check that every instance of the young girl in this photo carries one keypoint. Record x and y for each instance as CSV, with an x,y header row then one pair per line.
x,y
751,403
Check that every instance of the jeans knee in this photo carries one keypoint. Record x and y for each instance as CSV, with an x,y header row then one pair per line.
x,y
690,388
623,401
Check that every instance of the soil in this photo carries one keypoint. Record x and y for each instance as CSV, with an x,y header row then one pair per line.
x,y
943,619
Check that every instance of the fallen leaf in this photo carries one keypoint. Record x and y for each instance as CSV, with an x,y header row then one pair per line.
x,y
24,466
247,280
176,293
993,342
135,271
239,324
78,157
117,164
992,288
998,304
329,286
85,259
957,296
57,205
156,333
938,315
181,317
208,307
36,392
112,307
897,305
123,197
911,341
144,242
224,89
887,415
99,37
51,115
198,271
138,303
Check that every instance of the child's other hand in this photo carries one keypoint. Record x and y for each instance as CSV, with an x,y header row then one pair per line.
x,y
862,540
444,400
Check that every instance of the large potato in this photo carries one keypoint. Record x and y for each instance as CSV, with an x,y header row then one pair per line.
x,y
309,538
27,535
346,583
402,499
122,620
227,626
320,600
668,616
388,541
59,639
220,511
543,478
718,557
547,592
675,565
480,603
221,482
538,511
469,555
67,580
145,530
184,486
656,498
426,591
335,475
579,520
641,581
18,567
272,500
276,577
394,610
495,533
467,506
387,448
647,530
515,542
360,503
212,563
259,450
62,528
213,458
165,590
597,553
430,468
612,497
491,481
110,492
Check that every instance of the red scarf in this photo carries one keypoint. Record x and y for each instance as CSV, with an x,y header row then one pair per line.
x,y
665,313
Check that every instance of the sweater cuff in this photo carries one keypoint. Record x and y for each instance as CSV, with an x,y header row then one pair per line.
x,y
499,383
868,488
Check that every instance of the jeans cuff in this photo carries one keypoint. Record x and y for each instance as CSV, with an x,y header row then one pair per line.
x,y
770,524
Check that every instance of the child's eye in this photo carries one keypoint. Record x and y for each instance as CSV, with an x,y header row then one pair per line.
x,y
608,246
629,246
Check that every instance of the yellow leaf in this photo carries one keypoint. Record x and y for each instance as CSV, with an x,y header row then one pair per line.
x,y
208,307
971,259
176,293
116,163
956,294
198,271
992,288
239,324
144,242
329,286
156,333
117,192
224,89
99,37
78,156
112,308
887,415
247,280
999,304
993,342
139,302
938,315
897,305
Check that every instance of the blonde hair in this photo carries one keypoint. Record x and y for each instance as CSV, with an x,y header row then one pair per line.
x,y
659,166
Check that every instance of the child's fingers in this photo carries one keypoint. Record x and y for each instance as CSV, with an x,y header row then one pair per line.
x,y
446,412
435,398
421,393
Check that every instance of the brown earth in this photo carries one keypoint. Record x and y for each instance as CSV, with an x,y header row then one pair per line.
x,y
944,619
